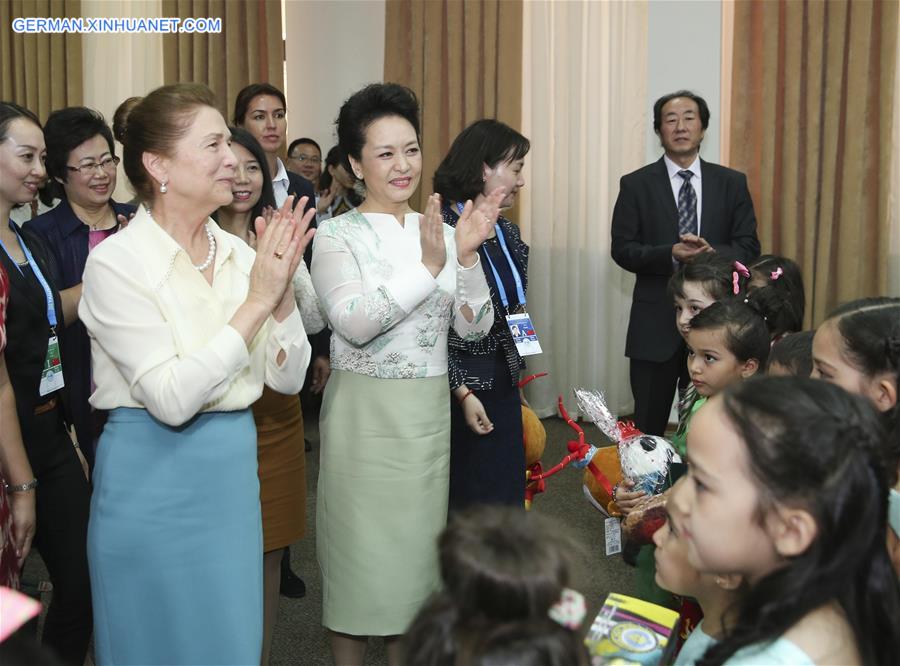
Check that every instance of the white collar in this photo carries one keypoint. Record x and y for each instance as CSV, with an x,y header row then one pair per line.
x,y
160,250
673,168
281,172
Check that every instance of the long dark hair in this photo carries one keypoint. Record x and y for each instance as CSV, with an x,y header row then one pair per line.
x,y
786,277
498,565
243,138
812,444
870,332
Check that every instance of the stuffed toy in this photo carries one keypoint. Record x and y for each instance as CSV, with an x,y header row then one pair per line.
x,y
580,454
535,436
606,459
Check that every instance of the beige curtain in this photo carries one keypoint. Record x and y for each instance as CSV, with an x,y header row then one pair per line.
x,y
584,109
463,59
248,50
894,196
811,125
42,72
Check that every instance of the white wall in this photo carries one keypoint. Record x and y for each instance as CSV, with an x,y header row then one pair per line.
x,y
333,49
685,51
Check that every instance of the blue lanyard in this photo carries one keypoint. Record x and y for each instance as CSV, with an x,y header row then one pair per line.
x,y
48,293
520,292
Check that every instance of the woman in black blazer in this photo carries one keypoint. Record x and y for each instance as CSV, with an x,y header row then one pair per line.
x,y
35,320
487,454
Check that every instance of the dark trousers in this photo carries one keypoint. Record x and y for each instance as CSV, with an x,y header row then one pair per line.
x,y
653,386
63,504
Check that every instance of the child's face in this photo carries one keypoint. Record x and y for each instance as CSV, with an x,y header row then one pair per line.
x,y
831,365
673,570
719,502
710,363
695,299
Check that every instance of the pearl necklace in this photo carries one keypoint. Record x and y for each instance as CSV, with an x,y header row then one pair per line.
x,y
210,240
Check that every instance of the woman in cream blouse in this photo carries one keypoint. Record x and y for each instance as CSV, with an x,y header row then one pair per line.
x,y
392,282
186,326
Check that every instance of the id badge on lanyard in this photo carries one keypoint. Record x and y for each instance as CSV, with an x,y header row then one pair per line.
x,y
518,321
51,375
523,334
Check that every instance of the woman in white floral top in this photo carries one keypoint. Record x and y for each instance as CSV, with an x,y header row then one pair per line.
x,y
391,282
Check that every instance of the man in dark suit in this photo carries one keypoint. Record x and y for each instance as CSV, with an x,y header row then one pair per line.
x,y
668,213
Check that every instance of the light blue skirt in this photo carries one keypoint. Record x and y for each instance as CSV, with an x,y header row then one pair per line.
x,y
175,541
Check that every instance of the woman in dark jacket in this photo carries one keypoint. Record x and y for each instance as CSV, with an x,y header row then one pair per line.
x,y
487,455
81,163
36,316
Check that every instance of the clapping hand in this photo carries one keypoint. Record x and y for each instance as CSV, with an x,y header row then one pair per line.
x,y
431,236
690,246
281,241
475,226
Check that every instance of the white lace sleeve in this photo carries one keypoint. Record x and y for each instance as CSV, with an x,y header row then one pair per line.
x,y
356,314
472,290
307,301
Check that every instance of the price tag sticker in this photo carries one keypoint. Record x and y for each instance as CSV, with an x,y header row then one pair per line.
x,y
613,531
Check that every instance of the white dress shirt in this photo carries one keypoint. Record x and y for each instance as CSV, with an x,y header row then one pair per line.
x,y
160,338
280,183
677,181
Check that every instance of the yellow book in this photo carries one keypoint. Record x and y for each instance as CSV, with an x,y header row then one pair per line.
x,y
629,631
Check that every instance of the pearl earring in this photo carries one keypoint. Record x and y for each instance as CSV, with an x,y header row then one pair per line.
x,y
163,187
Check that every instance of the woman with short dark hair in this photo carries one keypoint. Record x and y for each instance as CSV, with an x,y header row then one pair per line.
x,y
391,282
187,324
81,165
487,455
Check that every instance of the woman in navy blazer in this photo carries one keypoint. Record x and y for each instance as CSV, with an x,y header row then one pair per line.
x,y
487,454
81,163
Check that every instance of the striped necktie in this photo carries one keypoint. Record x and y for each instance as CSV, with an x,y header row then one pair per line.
x,y
687,205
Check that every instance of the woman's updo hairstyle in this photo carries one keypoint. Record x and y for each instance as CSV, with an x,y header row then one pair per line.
x,y
120,118
156,124
375,101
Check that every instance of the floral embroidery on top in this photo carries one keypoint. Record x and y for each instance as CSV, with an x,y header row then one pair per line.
x,y
389,315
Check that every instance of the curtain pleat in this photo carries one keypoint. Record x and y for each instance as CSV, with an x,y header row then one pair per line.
x,y
248,50
463,59
812,107
42,72
584,109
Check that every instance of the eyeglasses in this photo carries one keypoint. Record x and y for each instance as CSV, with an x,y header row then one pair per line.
x,y
108,165
307,158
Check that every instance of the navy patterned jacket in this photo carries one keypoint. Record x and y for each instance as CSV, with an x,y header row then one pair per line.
x,y
472,363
